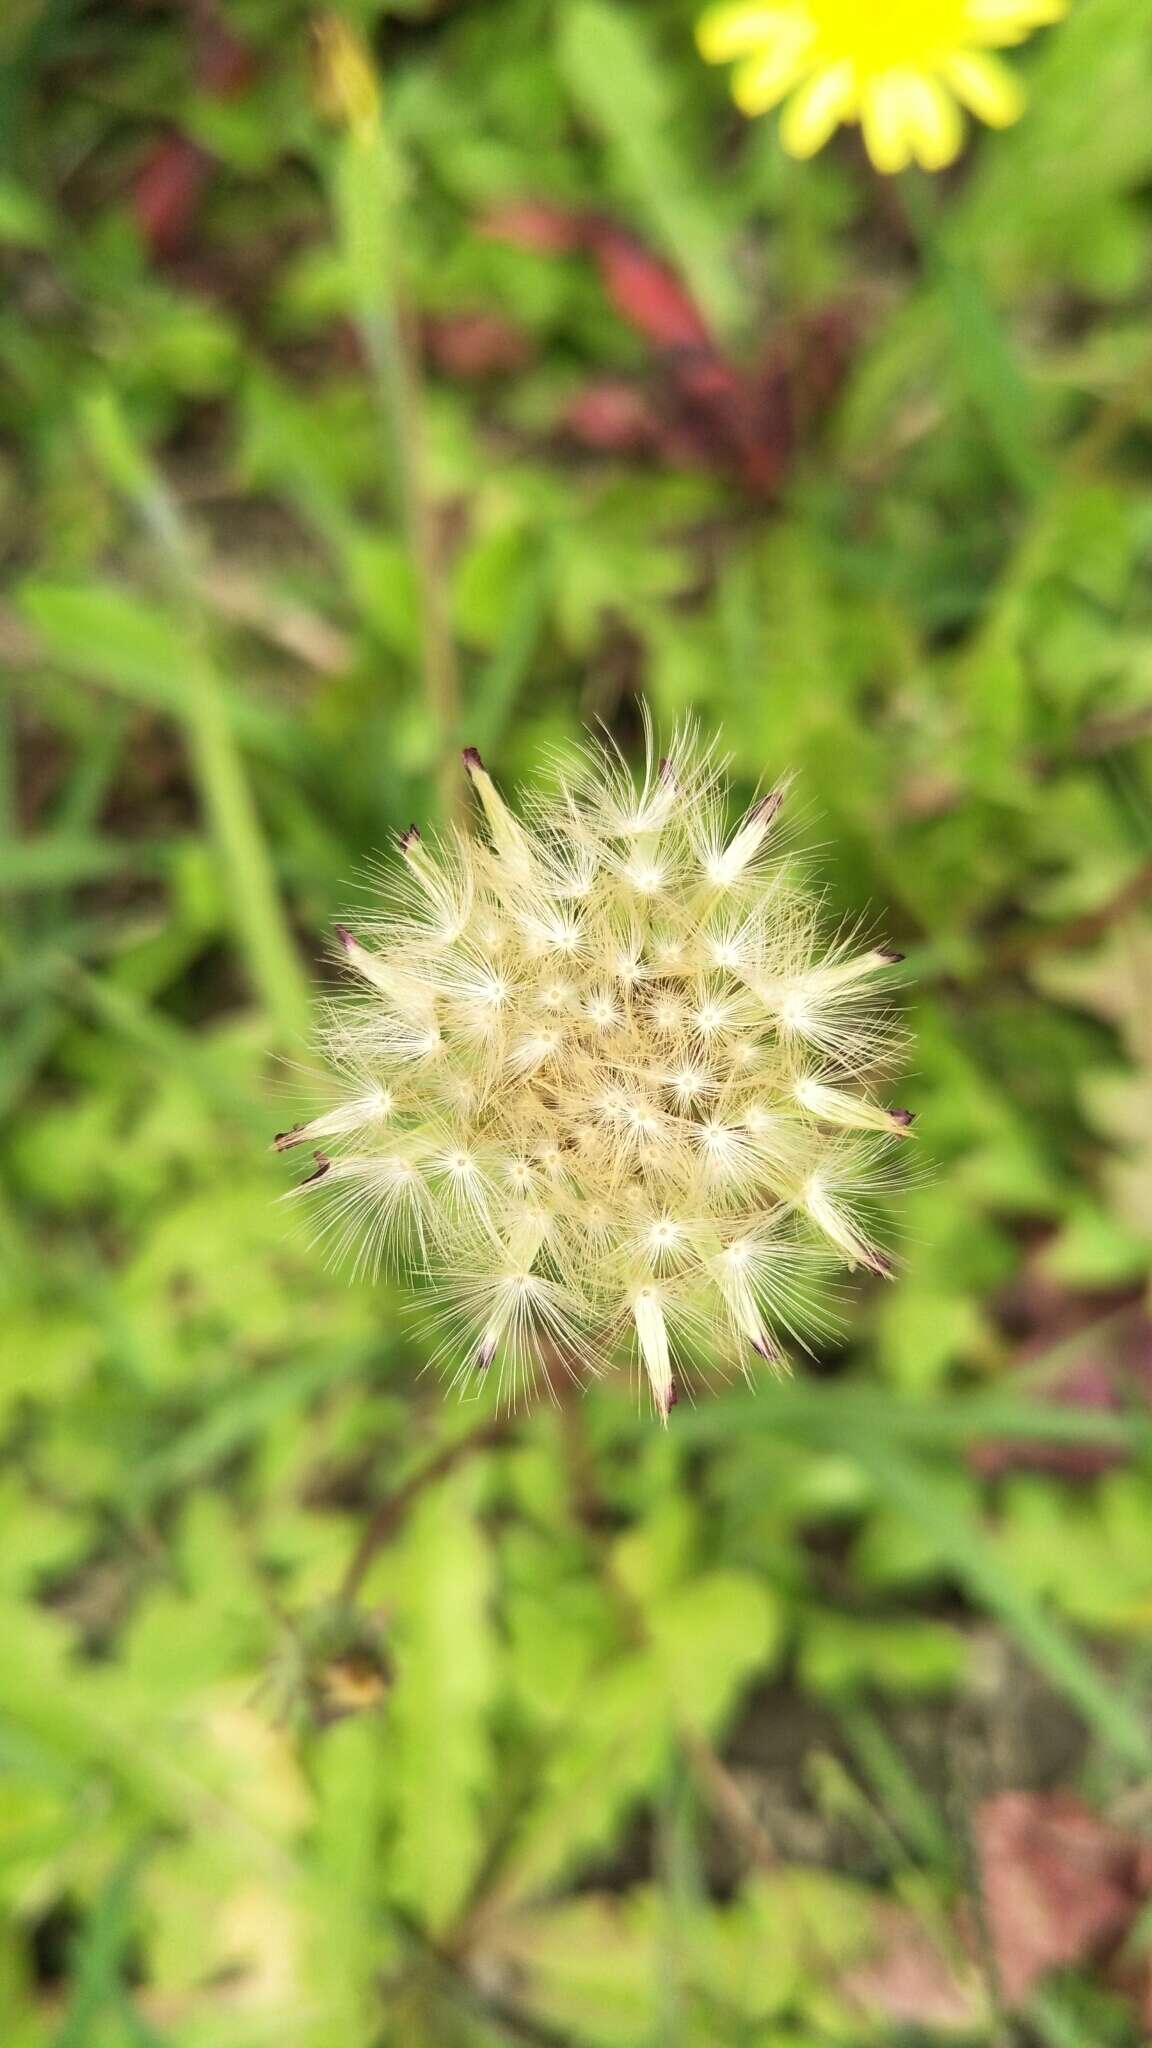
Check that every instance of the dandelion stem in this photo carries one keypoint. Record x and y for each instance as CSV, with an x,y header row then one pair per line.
x,y
367,193
387,1518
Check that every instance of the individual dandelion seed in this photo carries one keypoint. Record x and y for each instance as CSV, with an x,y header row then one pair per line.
x,y
603,1086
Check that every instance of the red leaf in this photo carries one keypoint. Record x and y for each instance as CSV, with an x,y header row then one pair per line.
x,y
705,412
477,344
646,292
913,1980
166,191
613,416
225,67
1061,1886
535,224
1114,1343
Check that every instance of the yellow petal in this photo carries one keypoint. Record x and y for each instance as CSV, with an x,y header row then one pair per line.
x,y
1001,22
820,105
934,123
884,119
986,86
735,28
763,81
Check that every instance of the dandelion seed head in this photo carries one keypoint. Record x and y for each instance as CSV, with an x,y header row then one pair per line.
x,y
603,1085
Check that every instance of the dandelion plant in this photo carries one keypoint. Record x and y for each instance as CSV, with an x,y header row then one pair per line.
x,y
602,1083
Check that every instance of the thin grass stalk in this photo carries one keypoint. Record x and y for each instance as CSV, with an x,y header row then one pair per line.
x,y
367,188
220,772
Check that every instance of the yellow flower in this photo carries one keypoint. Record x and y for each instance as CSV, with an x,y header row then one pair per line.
x,y
902,68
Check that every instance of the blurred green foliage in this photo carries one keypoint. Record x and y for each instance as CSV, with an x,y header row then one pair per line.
x,y
489,1773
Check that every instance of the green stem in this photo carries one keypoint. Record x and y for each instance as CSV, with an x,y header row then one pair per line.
x,y
367,189
221,775
254,896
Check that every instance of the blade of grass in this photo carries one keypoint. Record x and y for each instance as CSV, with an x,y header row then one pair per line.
x,y
59,860
25,1044
98,1955
984,357
7,771
122,1012
973,1562
899,1792
133,649
501,681
819,1412
261,924
367,189
882,1436
235,1420
218,764
1056,2025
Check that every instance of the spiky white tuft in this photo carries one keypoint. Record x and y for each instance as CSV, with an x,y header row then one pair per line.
x,y
602,1079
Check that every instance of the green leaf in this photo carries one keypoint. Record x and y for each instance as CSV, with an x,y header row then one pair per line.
x,y
129,645
978,1567
60,860
616,81
841,1654
707,1639
25,222
441,1742
351,1943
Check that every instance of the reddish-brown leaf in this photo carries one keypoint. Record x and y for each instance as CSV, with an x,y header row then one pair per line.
x,y
913,1979
646,292
1061,1886
535,224
699,409
477,344
225,66
1113,1363
166,192
614,416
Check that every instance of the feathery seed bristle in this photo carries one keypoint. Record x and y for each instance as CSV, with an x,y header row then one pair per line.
x,y
603,1079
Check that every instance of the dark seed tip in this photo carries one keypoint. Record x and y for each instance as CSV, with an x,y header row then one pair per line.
x,y
345,937
673,1397
889,954
764,811
881,1265
322,1165
284,1139
411,837
903,1117
471,758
